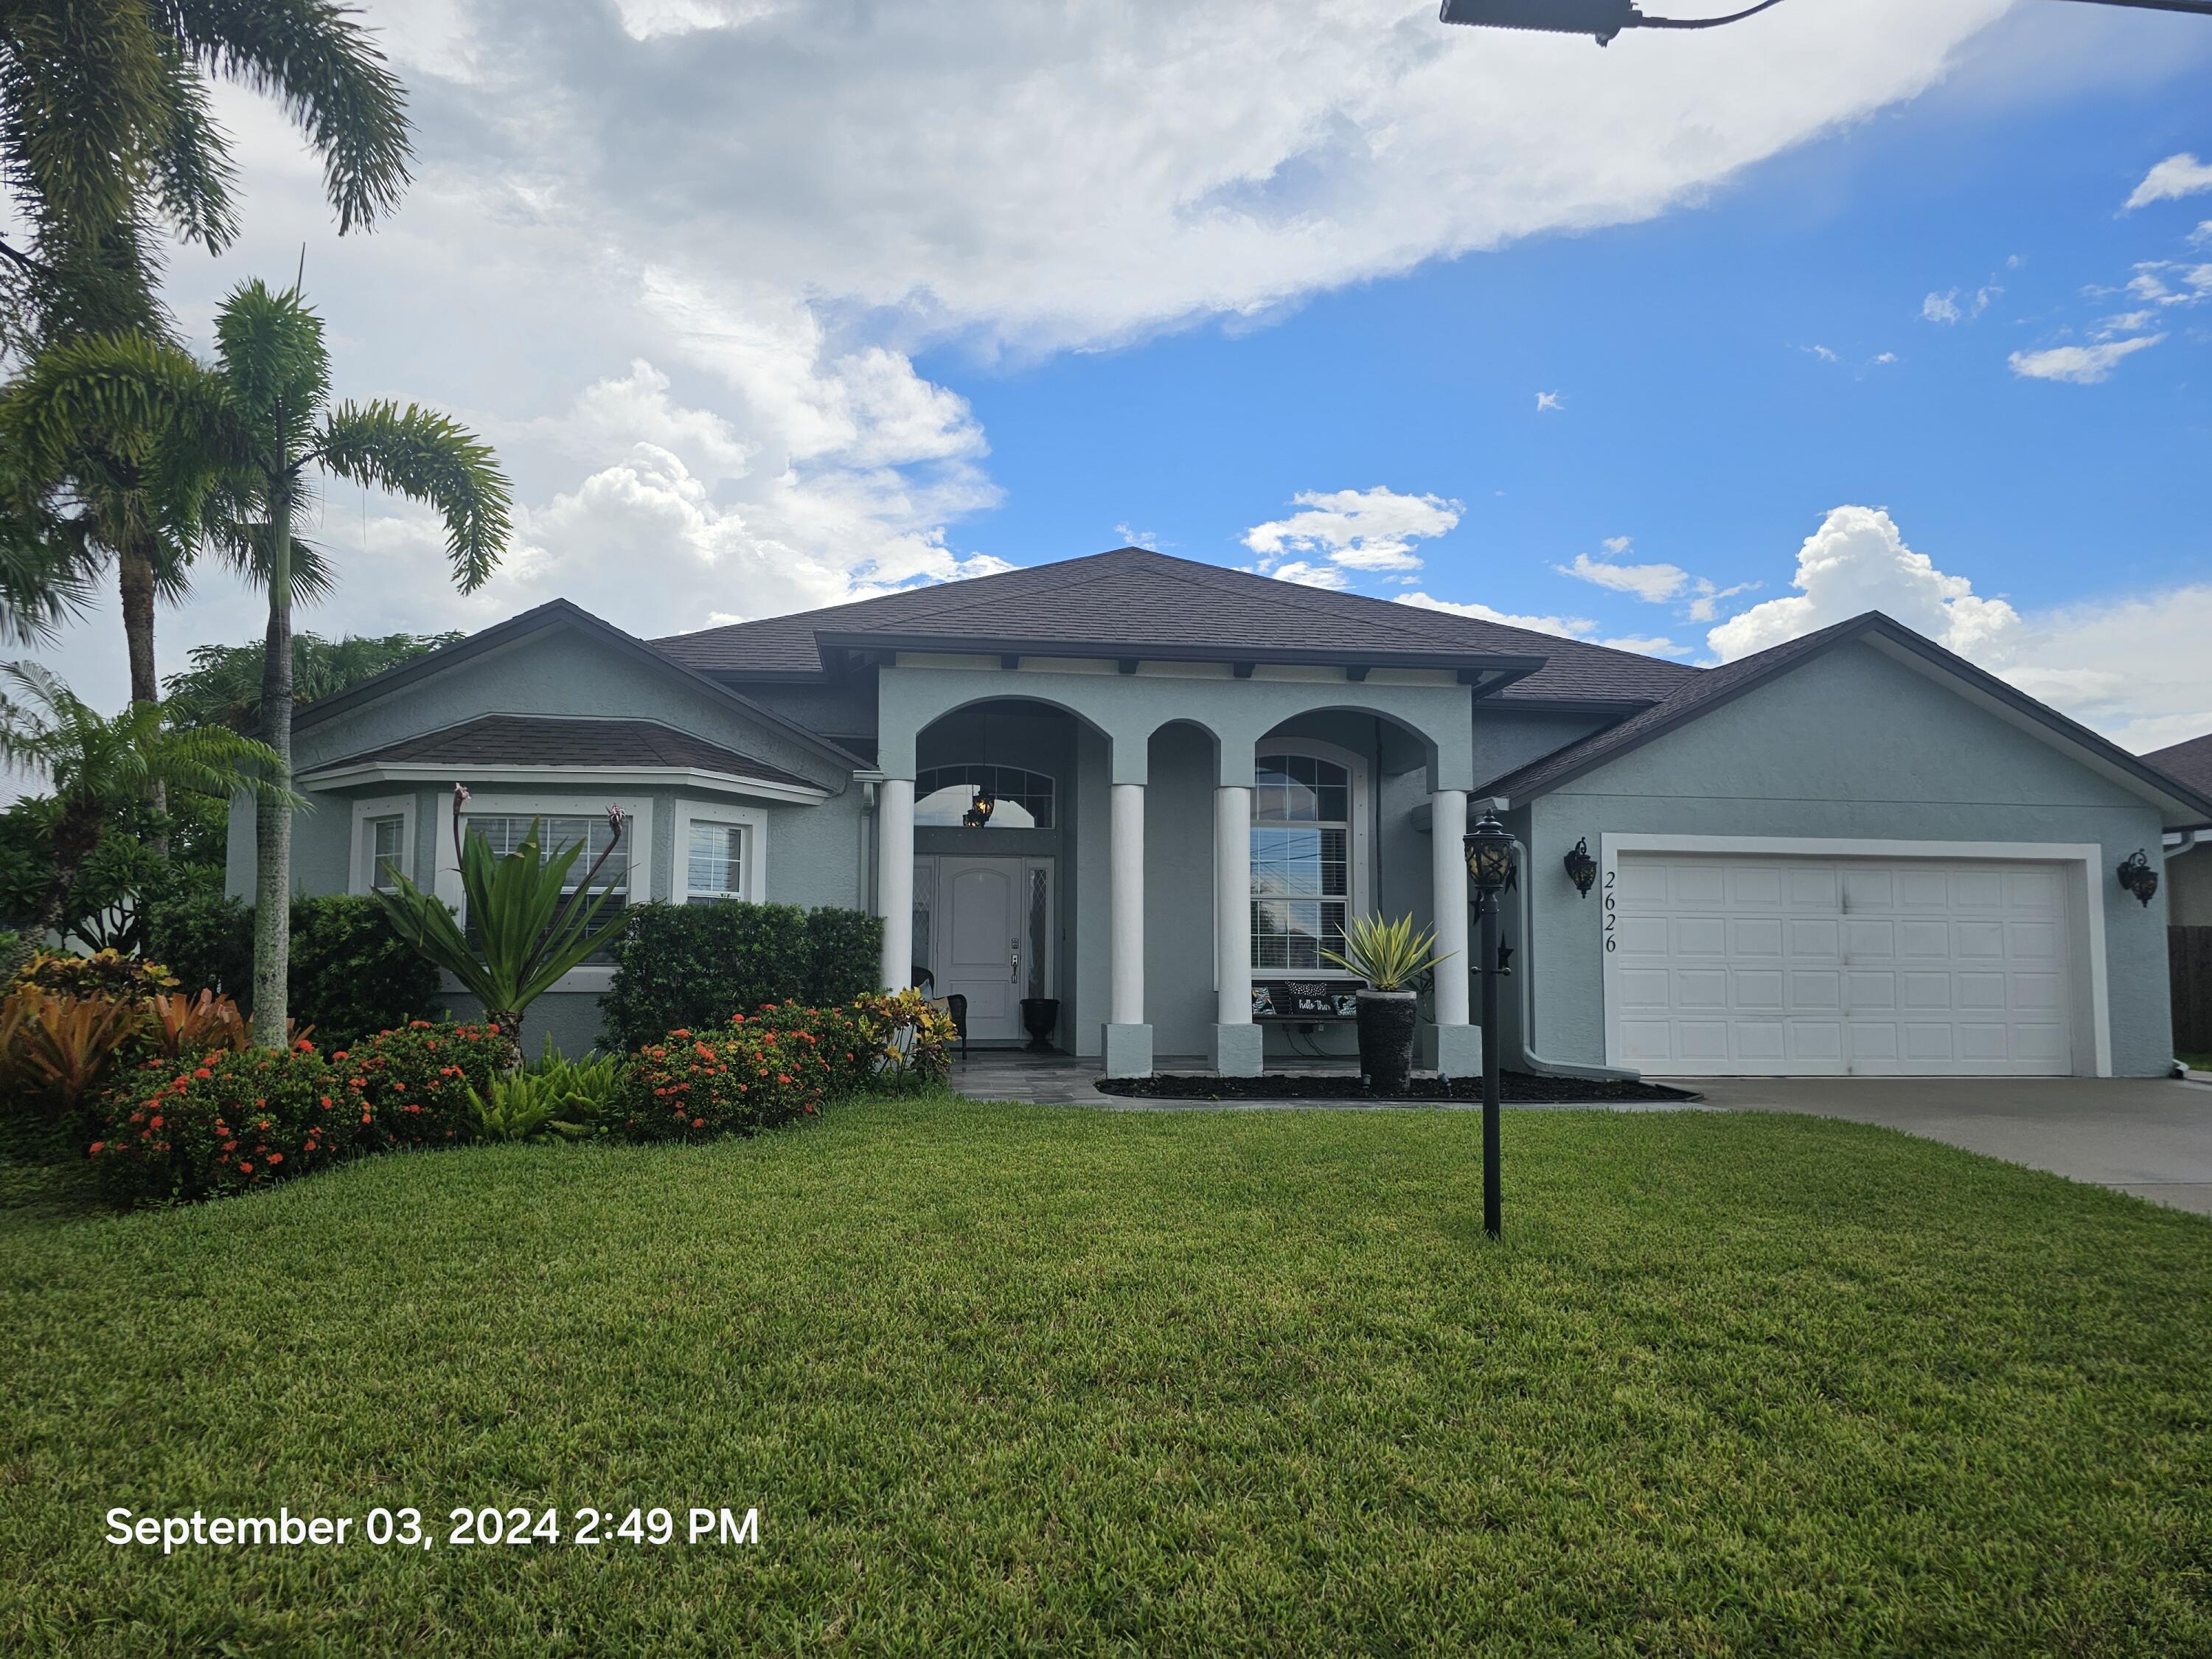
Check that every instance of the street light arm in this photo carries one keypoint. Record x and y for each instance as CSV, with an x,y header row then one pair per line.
x,y
1644,22
1603,19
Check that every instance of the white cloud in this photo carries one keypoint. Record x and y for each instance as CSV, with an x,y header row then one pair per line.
x,y
1366,531
1823,353
1654,584
1886,357
2154,281
2133,666
2171,179
1571,628
777,206
1949,308
1306,574
1549,401
2126,322
1857,562
2079,365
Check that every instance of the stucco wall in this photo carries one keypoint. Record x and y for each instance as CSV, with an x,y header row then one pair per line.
x,y
2188,887
1853,745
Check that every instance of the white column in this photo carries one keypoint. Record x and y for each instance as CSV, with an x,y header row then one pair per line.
x,y
1448,890
1232,904
1125,861
895,878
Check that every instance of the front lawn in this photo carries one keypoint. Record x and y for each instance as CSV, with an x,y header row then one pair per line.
x,y
1001,1378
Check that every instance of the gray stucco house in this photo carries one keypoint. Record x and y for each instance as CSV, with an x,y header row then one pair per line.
x,y
1853,853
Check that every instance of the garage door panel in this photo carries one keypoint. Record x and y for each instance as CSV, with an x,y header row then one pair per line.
x,y
1825,966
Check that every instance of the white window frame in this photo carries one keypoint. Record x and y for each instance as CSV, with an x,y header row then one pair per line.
x,y
637,836
1359,899
2083,862
361,873
753,871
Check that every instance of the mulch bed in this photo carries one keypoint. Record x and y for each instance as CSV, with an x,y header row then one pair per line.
x,y
1515,1088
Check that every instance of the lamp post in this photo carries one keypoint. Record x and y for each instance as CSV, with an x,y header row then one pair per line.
x,y
1603,18
1488,872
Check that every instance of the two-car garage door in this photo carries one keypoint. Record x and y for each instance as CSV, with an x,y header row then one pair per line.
x,y
1787,965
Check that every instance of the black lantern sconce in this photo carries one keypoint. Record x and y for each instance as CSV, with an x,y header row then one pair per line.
x,y
979,811
1582,868
1488,856
2138,878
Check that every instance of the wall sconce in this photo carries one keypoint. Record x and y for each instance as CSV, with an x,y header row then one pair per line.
x,y
2138,878
1582,868
979,811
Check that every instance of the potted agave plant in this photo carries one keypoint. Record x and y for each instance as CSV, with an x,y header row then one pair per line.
x,y
1390,956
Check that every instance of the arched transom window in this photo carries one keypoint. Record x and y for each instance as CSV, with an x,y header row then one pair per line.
x,y
1019,799
1301,862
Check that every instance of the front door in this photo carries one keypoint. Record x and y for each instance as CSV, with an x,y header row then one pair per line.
x,y
985,925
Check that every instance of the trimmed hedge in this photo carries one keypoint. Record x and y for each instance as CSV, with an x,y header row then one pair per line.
x,y
351,976
694,965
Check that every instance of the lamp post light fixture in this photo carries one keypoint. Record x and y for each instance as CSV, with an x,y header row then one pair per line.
x,y
1603,18
1489,849
2138,878
1582,868
979,810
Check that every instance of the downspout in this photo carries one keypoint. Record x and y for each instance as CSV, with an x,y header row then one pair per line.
x,y
1530,1060
2188,840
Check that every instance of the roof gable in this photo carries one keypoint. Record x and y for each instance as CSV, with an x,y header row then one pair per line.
x,y
602,745
1131,598
2189,763
1717,688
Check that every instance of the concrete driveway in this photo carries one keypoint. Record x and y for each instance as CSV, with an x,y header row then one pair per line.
x,y
2151,1139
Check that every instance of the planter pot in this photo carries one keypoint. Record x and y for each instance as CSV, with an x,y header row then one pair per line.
x,y
1386,1039
1040,1017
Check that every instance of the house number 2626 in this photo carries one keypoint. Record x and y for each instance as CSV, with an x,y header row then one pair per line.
x,y
1610,907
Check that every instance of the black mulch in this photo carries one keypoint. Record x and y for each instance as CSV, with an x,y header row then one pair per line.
x,y
1519,1088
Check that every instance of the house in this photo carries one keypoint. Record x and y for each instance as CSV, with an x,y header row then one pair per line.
x,y
2188,879
1856,853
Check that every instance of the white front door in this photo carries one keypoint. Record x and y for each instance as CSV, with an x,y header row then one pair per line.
x,y
980,953
1778,966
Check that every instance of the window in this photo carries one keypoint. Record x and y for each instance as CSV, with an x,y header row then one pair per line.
x,y
714,863
1021,799
387,855
1301,862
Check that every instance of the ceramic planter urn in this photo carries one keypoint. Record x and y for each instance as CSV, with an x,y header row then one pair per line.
x,y
1386,1039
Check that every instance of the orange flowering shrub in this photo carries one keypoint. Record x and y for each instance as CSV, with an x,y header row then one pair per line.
x,y
227,1123
415,1080
762,1071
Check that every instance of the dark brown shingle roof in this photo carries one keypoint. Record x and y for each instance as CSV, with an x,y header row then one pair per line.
x,y
1130,598
544,740
2189,763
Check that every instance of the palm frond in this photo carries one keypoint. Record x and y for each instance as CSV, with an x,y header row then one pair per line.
x,y
129,394
315,58
420,453
192,165
270,351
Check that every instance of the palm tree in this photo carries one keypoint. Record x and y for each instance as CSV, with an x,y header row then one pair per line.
x,y
107,138
106,141
222,687
97,766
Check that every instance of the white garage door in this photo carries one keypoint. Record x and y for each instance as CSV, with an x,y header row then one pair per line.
x,y
1790,966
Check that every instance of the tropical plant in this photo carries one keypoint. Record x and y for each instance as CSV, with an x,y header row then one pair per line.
x,y
1389,955
178,1026
59,1049
97,766
222,687
527,933
551,1098
264,416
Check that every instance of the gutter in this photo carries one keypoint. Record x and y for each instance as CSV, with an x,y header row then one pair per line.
x,y
1530,1060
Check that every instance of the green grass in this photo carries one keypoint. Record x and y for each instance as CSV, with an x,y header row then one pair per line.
x,y
2197,1062
1004,1379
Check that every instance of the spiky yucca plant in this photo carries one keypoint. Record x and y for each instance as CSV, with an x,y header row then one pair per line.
x,y
1389,955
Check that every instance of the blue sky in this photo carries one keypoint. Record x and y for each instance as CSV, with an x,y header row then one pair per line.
x,y
1700,413
768,304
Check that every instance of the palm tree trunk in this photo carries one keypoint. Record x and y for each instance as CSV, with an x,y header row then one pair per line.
x,y
272,817
133,575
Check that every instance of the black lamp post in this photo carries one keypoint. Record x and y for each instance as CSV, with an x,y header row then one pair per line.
x,y
1603,18
1489,849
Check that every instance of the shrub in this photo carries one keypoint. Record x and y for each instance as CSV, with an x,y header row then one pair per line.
x,y
350,974
914,1035
206,940
692,965
736,1081
416,1081
105,974
233,1122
